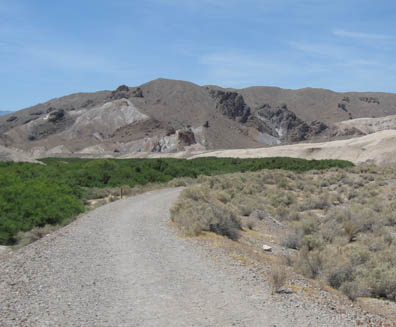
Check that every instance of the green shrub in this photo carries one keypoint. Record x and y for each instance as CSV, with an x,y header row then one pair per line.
x,y
34,195
34,203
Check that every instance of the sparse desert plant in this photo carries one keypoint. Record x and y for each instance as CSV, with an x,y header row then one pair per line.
x,y
342,234
222,196
311,242
278,277
25,238
249,224
340,272
329,231
351,229
261,214
96,193
293,214
292,240
194,193
282,213
352,194
282,182
311,264
382,281
321,202
288,260
282,198
181,181
310,225
354,289
195,214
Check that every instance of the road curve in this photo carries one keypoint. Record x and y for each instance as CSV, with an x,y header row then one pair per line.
x,y
122,265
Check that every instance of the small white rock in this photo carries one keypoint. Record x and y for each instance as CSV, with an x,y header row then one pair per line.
x,y
267,248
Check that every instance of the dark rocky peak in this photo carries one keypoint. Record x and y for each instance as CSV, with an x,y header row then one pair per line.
x,y
170,131
369,100
231,104
343,107
186,137
87,104
137,93
12,118
56,116
58,121
122,92
280,115
346,99
286,125
122,88
318,127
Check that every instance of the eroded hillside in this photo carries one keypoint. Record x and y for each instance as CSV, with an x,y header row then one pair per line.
x,y
167,116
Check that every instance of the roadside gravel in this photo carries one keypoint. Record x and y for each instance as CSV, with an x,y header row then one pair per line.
x,y
123,265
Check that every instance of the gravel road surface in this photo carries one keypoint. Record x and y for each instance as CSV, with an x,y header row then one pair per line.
x,y
123,265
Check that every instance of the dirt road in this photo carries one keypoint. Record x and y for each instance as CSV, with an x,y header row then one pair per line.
x,y
123,265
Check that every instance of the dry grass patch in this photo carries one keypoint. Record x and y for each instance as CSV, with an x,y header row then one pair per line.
x,y
25,238
197,211
342,222
278,278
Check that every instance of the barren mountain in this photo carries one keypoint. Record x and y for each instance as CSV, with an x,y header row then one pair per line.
x,y
169,116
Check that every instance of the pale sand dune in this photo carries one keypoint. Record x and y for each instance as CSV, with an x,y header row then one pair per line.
x,y
369,125
16,155
378,148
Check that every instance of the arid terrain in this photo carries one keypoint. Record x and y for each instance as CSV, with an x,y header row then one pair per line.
x,y
335,227
123,264
276,248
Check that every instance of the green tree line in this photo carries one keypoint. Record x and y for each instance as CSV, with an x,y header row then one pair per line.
x,y
33,195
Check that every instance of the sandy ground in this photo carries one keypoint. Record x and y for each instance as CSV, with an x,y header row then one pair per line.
x,y
378,148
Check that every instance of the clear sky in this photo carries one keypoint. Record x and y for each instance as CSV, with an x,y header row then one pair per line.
x,y
53,48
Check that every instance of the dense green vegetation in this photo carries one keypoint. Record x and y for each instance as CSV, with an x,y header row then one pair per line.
x,y
34,195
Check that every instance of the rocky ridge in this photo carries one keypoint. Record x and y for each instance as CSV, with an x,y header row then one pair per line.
x,y
169,116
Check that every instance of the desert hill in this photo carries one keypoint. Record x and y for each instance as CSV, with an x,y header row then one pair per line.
x,y
377,148
167,116
368,125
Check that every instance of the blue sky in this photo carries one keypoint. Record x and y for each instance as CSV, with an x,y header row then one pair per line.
x,y
53,48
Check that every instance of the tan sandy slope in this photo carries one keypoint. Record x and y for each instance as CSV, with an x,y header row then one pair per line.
x,y
378,148
368,125
16,155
